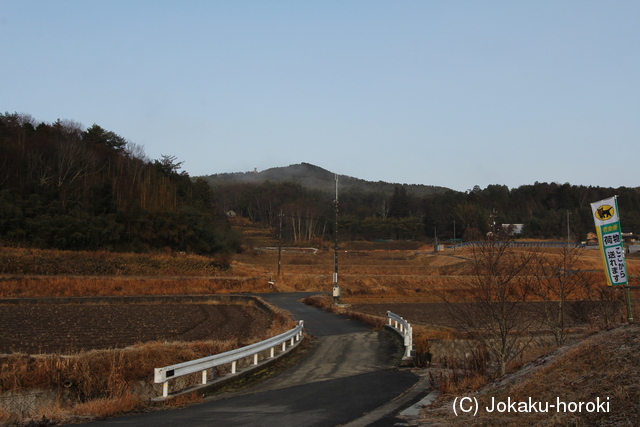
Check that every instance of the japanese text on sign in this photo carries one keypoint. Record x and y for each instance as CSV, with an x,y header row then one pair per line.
x,y
615,260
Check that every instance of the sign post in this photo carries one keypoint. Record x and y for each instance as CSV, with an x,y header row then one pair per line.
x,y
336,287
609,231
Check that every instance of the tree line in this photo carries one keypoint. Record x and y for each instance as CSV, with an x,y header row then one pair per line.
x,y
543,209
66,187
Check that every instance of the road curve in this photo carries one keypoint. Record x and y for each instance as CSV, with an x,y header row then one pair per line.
x,y
348,372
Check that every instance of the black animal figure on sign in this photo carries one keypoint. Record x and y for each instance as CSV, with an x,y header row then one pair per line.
x,y
605,213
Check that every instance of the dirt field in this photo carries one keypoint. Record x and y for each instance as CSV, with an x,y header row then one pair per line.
x,y
66,328
437,315
434,314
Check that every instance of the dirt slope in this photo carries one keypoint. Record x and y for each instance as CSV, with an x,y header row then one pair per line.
x,y
602,372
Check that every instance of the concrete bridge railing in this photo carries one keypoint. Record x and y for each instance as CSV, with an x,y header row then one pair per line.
x,y
405,330
165,374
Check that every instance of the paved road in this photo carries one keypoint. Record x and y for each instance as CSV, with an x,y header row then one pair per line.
x,y
347,373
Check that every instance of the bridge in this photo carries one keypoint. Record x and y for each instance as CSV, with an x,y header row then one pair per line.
x,y
349,377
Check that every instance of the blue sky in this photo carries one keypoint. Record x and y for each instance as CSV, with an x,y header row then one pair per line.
x,y
449,93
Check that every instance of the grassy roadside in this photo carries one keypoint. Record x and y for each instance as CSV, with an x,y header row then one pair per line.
x,y
54,388
601,372
598,369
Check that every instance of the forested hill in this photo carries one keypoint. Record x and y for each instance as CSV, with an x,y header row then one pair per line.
x,y
63,186
316,178
66,187
302,196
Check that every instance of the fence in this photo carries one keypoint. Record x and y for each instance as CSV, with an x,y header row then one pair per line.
x,y
525,245
403,327
287,249
167,373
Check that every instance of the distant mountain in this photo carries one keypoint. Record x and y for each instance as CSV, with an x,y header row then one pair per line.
x,y
316,178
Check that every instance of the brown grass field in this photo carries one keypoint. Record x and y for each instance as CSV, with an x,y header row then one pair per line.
x,y
407,279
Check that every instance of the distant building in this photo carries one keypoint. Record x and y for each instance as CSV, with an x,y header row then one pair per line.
x,y
629,236
513,229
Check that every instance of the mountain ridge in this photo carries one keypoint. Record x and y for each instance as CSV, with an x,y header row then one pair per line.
x,y
317,178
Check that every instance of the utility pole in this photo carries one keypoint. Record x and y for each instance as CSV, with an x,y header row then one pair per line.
x,y
435,239
280,243
455,242
568,230
336,287
492,221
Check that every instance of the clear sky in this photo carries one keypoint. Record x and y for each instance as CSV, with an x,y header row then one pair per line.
x,y
450,93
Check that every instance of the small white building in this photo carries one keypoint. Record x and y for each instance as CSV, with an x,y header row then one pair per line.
x,y
513,229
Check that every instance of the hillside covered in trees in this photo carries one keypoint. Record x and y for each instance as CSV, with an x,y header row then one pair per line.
x,y
65,187
316,178
375,210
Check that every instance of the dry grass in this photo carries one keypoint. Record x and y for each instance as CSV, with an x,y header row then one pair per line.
x,y
24,287
603,366
323,302
106,407
20,261
100,373
390,276
366,274
454,381
409,276
7,418
101,383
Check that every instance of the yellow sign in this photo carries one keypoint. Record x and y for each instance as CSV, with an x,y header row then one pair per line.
x,y
604,212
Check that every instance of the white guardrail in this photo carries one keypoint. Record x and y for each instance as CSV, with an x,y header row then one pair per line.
x,y
167,373
287,249
403,327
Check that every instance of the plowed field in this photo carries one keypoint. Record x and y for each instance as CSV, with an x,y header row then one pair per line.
x,y
66,328
437,314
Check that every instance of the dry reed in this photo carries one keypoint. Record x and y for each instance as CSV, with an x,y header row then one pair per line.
x,y
102,383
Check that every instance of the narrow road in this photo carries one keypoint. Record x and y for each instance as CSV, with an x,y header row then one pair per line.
x,y
347,373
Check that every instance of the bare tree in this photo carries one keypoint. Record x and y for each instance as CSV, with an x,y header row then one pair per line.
x,y
74,161
557,280
134,150
606,305
492,307
384,209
